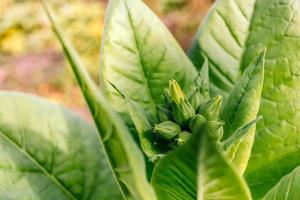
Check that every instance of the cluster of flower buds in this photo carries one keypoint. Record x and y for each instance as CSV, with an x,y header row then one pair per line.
x,y
180,116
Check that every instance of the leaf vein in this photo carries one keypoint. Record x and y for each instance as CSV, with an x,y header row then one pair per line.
x,y
54,179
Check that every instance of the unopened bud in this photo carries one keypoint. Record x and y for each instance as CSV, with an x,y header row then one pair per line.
x,y
197,99
175,92
167,130
211,109
198,81
183,112
197,122
167,97
163,114
183,137
215,129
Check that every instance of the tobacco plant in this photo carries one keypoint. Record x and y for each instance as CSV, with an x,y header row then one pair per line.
x,y
167,128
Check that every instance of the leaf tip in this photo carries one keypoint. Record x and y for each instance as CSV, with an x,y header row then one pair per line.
x,y
117,89
48,11
261,56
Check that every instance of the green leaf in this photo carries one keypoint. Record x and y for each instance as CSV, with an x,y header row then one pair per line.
x,y
140,56
287,188
142,125
48,152
242,107
197,170
238,135
222,40
126,159
236,31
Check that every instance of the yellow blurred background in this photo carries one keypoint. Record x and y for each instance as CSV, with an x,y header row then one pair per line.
x,y
31,59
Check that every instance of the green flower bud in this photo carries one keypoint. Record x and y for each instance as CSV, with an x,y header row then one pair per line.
x,y
163,114
167,97
215,129
198,81
202,85
183,137
167,130
175,92
211,109
183,112
197,122
197,99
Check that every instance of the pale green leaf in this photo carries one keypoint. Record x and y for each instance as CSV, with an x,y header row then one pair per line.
x,y
236,31
288,188
140,56
126,159
238,135
221,38
48,152
198,170
143,127
242,107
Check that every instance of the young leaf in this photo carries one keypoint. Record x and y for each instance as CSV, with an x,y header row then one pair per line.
x,y
140,56
197,170
236,31
287,188
238,135
126,159
242,107
142,125
48,152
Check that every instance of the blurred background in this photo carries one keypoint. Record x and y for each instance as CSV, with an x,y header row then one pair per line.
x,y
31,59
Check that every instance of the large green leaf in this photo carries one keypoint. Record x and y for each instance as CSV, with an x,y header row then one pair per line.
x,y
242,107
47,152
222,40
235,31
140,56
126,159
198,170
287,188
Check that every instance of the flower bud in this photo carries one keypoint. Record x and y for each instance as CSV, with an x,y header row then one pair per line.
x,y
183,112
215,129
211,109
197,99
175,92
197,122
167,97
163,114
167,130
198,81
183,137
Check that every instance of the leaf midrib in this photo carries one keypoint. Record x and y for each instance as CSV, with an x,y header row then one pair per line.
x,y
151,95
35,162
200,170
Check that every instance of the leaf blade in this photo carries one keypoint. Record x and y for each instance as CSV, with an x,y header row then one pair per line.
x,y
268,24
140,56
41,160
222,40
287,188
201,174
242,107
130,169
